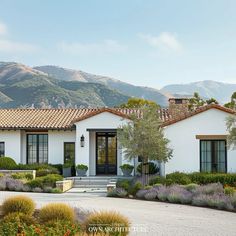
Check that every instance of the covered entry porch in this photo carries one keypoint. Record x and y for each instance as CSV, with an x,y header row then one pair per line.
x,y
100,149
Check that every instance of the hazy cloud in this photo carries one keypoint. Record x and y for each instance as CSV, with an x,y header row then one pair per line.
x,y
105,47
3,29
164,41
11,46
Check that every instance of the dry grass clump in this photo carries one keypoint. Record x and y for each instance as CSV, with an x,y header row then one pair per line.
x,y
56,212
18,204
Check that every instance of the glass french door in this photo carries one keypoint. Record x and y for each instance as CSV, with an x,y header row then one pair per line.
x,y
106,154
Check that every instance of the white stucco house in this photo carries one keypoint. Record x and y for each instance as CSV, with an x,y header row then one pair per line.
x,y
88,136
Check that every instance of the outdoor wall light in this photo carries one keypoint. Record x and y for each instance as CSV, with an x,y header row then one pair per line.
x,y
82,141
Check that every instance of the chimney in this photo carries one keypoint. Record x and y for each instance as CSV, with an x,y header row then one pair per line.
x,y
178,106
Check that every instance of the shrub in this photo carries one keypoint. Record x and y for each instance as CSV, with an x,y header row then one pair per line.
x,y
7,163
127,167
19,204
200,200
191,187
1,175
14,184
179,178
55,212
44,172
206,178
118,192
135,188
233,200
47,189
103,221
37,190
27,176
19,218
178,194
229,190
3,184
82,167
162,193
209,189
151,194
141,193
220,201
56,190
123,183
153,168
26,188
48,180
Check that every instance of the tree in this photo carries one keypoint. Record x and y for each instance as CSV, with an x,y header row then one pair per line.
x,y
212,101
138,103
232,103
144,137
231,127
196,101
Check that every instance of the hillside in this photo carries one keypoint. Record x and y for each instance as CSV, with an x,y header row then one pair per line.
x,y
208,89
21,85
124,88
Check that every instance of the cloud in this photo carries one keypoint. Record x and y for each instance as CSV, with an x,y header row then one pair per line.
x,y
105,47
3,29
12,47
164,41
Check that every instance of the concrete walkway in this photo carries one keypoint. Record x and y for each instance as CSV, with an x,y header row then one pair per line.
x,y
148,218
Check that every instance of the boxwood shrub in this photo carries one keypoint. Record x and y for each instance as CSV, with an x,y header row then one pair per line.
x,y
7,163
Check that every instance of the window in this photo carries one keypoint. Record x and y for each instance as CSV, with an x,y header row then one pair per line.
x,y
213,156
178,101
69,153
2,149
37,148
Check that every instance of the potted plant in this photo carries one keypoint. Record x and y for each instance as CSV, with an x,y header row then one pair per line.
x,y
127,169
66,169
81,169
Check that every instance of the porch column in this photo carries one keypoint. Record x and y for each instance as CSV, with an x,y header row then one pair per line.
x,y
82,153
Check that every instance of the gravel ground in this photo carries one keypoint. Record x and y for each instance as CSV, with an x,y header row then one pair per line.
x,y
148,218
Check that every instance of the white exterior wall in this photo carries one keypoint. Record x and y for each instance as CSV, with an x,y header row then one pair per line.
x,y
186,148
12,141
56,141
86,155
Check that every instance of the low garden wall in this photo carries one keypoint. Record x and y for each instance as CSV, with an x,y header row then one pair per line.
x,y
9,172
64,185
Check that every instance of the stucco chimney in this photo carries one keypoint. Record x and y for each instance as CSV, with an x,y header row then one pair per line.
x,y
178,106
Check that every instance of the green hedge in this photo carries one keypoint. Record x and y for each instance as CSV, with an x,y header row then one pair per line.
x,y
196,177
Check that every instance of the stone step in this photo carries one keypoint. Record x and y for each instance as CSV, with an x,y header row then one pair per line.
x,y
88,190
89,186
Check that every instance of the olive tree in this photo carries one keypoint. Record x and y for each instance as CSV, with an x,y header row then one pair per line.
x,y
144,137
231,127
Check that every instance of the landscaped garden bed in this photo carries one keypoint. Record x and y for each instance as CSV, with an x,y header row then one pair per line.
x,y
18,217
197,189
24,181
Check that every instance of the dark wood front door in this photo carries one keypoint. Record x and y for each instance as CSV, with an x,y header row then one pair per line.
x,y
106,154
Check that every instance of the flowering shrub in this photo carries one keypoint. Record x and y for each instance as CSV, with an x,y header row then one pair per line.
x,y
141,193
209,189
163,193
178,194
200,200
151,194
118,192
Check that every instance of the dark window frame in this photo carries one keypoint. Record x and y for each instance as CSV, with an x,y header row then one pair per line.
x,y
2,143
37,148
213,153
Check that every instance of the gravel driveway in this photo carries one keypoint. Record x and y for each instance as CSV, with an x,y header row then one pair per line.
x,y
148,218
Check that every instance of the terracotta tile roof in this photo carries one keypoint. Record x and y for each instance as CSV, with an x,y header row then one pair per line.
x,y
65,118
197,111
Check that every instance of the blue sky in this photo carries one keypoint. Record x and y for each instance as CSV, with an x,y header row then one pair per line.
x,y
144,42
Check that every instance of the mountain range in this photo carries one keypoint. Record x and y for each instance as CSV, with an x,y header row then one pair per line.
x,y
53,86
